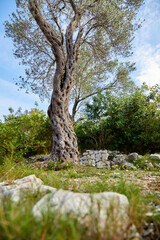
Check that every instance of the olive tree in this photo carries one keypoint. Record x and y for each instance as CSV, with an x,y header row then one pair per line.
x,y
51,33
92,78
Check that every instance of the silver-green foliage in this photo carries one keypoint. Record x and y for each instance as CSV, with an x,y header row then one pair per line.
x,y
108,31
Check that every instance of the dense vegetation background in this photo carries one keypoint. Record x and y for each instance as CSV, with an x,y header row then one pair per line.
x,y
127,122
25,134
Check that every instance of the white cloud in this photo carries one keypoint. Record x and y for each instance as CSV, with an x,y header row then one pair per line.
x,y
148,62
147,47
150,14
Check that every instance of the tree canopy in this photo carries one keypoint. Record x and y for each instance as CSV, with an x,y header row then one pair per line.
x,y
108,28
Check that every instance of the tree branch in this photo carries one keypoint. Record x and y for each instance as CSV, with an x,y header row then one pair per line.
x,y
90,5
73,5
71,48
55,20
74,109
57,47
39,47
99,91
52,64
77,43
44,26
90,29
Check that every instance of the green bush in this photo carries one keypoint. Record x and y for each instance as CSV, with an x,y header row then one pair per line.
x,y
127,122
25,134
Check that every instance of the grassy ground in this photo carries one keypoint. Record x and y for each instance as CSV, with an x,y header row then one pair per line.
x,y
16,221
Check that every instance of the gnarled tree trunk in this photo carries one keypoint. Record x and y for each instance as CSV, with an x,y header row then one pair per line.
x,y
64,139
64,146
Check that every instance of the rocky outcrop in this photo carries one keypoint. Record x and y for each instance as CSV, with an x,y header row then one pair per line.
x,y
115,159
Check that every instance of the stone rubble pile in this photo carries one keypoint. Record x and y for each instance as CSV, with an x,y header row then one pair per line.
x,y
114,159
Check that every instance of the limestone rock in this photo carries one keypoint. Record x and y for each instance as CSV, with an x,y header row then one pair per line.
x,y
84,158
133,157
105,151
92,156
108,165
85,162
149,165
93,163
115,152
155,156
29,180
100,165
19,187
125,164
119,158
98,156
105,156
84,205
46,189
85,154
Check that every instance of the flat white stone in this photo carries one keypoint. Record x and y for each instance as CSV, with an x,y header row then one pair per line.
x,y
105,157
96,152
97,160
83,204
84,154
93,163
83,158
92,156
98,155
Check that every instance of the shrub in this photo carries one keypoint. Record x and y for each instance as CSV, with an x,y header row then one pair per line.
x,y
25,134
127,122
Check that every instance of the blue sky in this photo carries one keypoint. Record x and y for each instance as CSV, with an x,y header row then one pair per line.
x,y
10,70
146,55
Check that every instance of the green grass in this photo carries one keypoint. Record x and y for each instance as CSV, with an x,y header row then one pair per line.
x,y
17,222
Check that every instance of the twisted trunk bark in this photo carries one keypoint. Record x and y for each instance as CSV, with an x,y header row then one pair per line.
x,y
64,146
